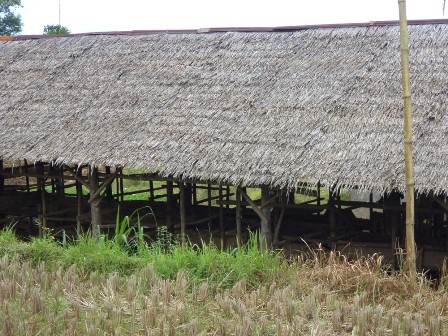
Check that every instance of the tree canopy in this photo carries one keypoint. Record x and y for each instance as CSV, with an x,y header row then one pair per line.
x,y
10,22
56,30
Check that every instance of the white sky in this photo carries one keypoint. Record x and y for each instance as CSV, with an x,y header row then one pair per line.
x,y
111,15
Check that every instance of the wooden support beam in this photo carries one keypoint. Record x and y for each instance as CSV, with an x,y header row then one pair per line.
x,y
2,178
280,221
78,204
332,213
238,215
169,206
183,215
222,231
78,177
109,193
151,190
95,209
43,203
254,206
266,231
105,184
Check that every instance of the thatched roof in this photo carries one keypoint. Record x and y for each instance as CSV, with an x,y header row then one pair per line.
x,y
321,104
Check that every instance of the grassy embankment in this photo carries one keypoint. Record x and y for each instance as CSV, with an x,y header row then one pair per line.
x,y
123,286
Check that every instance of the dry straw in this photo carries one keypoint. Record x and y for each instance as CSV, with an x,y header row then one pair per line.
x,y
271,108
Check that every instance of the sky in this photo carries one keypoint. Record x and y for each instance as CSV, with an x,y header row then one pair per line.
x,y
82,16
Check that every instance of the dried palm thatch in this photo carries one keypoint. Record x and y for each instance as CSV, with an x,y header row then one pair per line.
x,y
249,108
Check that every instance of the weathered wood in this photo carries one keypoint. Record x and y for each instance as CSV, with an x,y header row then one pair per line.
x,y
183,214
2,178
279,222
109,194
43,203
266,231
238,215
96,195
169,206
151,190
195,195
78,204
254,206
332,213
95,209
222,232
77,177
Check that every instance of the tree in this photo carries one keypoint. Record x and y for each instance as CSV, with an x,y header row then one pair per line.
x,y
10,22
55,29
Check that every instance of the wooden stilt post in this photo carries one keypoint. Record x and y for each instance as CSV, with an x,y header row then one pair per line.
x,y
151,190
95,210
195,195
2,178
43,203
121,186
209,203
27,178
332,213
169,206
183,215
279,222
238,215
79,202
222,232
266,231
109,193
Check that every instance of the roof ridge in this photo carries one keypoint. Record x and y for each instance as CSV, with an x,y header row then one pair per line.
x,y
232,29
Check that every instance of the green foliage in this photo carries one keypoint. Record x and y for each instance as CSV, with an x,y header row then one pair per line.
x,y
10,22
56,30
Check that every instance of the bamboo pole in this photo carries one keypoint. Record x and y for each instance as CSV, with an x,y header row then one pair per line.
x,y
409,169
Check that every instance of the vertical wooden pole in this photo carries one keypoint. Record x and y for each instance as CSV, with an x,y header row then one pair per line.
x,y
266,231
195,195
43,203
318,193
332,213
108,193
151,190
27,178
209,202
169,206
222,232
2,178
121,186
238,215
227,197
183,215
79,202
409,166
95,210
